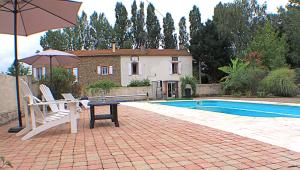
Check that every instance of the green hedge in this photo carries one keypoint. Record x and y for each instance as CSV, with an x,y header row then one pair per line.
x,y
139,83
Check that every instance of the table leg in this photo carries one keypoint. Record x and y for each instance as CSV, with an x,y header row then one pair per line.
x,y
92,117
111,107
115,115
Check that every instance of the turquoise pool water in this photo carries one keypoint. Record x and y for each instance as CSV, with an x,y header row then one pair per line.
x,y
240,108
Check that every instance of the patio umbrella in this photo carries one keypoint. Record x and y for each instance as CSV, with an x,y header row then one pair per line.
x,y
51,58
26,17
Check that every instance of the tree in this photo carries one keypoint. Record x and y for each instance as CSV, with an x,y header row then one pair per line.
x,y
270,46
142,35
170,38
134,29
84,32
208,47
183,34
153,28
238,22
100,31
23,71
75,38
121,25
54,39
292,30
195,20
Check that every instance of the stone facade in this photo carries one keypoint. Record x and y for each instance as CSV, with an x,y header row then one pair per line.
x,y
87,69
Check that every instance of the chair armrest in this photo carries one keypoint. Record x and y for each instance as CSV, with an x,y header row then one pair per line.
x,y
54,102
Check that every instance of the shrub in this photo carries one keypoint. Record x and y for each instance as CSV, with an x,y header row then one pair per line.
x,y
139,83
62,82
242,78
104,85
188,80
297,70
280,82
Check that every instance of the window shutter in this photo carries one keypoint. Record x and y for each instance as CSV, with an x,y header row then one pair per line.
x,y
110,71
129,69
179,68
34,73
43,71
140,69
99,70
75,73
170,68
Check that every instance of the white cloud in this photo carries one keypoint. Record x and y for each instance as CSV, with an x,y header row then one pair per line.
x,y
178,8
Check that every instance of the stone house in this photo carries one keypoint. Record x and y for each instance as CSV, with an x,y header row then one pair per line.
x,y
163,67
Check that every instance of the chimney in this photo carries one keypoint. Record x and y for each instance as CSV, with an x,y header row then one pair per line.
x,y
142,47
181,46
113,45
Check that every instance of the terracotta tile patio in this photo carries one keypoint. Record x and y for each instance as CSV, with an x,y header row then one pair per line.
x,y
144,140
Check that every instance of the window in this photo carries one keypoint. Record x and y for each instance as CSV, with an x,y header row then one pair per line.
x,y
174,58
135,68
39,73
135,59
104,70
74,72
174,68
69,70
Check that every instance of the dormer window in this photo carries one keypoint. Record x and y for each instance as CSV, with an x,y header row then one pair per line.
x,y
134,59
174,59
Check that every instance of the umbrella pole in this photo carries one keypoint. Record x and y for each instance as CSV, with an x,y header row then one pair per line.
x,y
16,64
51,73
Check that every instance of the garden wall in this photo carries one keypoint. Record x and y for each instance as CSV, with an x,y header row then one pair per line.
x,y
127,93
8,105
208,89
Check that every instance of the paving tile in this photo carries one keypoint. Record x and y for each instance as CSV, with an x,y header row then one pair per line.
x,y
144,140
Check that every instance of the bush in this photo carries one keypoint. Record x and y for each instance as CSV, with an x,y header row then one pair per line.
x,y
139,83
280,82
297,70
104,85
242,78
188,80
62,82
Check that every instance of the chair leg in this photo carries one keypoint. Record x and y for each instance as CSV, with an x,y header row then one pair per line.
x,y
74,117
44,127
23,131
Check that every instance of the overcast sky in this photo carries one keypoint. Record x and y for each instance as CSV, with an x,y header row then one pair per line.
x,y
28,45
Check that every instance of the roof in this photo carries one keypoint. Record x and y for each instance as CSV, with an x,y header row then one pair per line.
x,y
131,52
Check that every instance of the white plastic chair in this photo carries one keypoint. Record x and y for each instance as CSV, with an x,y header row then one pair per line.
x,y
69,96
40,121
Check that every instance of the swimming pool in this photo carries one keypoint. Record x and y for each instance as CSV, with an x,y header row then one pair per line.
x,y
240,108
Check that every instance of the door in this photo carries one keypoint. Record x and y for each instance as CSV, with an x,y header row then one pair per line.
x,y
172,89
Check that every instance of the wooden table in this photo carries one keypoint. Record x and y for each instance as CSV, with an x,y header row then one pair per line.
x,y
113,115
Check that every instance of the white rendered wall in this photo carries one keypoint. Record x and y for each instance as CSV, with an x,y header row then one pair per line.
x,y
155,68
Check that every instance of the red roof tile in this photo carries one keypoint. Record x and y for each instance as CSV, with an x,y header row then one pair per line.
x,y
131,52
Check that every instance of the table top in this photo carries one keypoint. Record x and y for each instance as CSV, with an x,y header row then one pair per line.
x,y
95,103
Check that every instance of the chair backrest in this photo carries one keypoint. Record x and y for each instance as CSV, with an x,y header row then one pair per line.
x,y
68,96
46,92
31,99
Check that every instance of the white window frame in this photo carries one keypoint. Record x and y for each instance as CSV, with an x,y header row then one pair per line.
x,y
103,72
